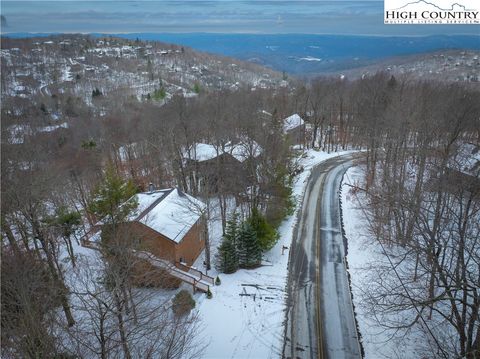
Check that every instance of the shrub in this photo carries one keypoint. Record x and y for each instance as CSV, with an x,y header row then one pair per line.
x,y
183,303
218,281
88,144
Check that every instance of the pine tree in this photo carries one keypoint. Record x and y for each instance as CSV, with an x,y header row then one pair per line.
x,y
227,259
248,247
113,198
266,234
231,231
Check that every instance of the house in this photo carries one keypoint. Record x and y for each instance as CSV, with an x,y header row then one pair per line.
x,y
167,224
294,129
462,172
232,162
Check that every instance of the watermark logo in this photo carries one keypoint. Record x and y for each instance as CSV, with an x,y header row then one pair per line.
x,y
431,12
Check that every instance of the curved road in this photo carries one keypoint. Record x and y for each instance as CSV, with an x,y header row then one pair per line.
x,y
320,320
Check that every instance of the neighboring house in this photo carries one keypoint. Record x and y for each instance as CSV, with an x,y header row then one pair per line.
x,y
462,171
207,163
294,129
168,224
468,159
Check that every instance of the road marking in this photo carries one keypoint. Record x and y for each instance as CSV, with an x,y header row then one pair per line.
x,y
317,301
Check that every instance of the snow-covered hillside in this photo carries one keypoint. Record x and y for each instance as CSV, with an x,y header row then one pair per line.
x,y
78,65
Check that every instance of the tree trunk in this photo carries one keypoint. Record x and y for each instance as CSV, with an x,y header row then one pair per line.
x,y
121,326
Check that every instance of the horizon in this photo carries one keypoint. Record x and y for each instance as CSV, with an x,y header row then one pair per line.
x,y
22,34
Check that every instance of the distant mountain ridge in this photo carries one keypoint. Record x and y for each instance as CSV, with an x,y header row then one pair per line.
x,y
307,54
294,53
447,66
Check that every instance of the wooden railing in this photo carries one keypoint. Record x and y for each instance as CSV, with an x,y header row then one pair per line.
x,y
196,272
185,273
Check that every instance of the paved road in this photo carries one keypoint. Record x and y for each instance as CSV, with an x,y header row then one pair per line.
x,y
320,321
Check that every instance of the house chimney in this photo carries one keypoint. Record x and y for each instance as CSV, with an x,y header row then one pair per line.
x,y
151,187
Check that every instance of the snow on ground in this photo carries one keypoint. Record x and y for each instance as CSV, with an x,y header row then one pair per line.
x,y
364,254
245,317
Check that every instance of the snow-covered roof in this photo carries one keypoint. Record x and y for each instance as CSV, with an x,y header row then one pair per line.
x,y
244,150
53,127
292,122
467,159
241,151
169,212
202,152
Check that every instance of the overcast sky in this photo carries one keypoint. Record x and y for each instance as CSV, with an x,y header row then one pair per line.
x,y
227,16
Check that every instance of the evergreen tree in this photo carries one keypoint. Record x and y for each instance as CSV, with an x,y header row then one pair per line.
x,y
196,88
231,231
227,259
248,247
266,234
113,198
